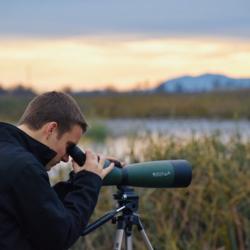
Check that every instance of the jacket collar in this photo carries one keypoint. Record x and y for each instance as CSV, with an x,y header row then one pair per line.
x,y
15,135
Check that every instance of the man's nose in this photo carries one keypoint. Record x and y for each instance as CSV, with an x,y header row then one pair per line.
x,y
65,158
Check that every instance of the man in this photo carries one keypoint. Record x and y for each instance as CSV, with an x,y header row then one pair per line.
x,y
32,214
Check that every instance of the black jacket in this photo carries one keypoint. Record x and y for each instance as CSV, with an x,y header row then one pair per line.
x,y
33,215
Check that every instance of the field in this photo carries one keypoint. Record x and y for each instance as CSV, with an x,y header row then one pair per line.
x,y
230,105
225,105
213,213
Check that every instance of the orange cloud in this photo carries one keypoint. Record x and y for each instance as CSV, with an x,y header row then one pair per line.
x,y
95,63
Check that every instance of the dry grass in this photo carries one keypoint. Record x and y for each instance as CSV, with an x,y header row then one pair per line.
x,y
213,213
230,105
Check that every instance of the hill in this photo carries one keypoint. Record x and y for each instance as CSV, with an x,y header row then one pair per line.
x,y
203,83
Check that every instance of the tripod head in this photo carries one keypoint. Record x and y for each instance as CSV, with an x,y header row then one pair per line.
x,y
126,196
128,202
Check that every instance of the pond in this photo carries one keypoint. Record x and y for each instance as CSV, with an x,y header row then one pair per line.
x,y
178,127
127,134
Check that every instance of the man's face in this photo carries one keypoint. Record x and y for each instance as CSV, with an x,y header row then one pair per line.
x,y
61,144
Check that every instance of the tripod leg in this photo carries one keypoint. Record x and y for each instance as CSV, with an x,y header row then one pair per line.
x,y
118,239
129,245
146,240
128,237
119,235
144,235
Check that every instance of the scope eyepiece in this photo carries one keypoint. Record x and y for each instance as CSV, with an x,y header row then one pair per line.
x,y
77,154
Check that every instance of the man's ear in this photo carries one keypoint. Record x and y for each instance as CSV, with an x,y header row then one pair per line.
x,y
50,128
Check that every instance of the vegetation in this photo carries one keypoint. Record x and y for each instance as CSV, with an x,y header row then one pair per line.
x,y
98,132
12,107
213,213
229,105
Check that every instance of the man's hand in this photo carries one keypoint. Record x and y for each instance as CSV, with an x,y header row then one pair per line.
x,y
117,162
93,165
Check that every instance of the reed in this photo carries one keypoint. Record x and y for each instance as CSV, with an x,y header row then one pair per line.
x,y
213,213
226,105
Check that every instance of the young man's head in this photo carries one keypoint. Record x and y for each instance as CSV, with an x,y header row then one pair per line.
x,y
55,119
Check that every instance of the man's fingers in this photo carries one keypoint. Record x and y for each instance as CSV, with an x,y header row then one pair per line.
x,y
95,164
123,163
111,158
101,161
75,166
91,155
117,162
108,169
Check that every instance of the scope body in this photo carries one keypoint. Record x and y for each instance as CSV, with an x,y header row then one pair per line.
x,y
152,174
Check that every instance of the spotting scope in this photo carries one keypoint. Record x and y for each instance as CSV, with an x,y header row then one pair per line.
x,y
152,174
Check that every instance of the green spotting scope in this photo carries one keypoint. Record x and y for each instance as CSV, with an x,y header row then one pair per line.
x,y
152,174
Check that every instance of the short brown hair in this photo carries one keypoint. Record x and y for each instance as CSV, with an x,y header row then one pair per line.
x,y
53,106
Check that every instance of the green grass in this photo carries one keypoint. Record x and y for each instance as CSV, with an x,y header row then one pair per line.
x,y
98,132
229,105
213,213
11,108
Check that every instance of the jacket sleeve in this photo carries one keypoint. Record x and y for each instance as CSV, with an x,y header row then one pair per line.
x,y
47,222
62,188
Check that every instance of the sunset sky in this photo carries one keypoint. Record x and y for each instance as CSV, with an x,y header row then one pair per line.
x,y
123,44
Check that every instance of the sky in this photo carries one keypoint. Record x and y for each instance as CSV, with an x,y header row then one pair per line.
x,y
86,44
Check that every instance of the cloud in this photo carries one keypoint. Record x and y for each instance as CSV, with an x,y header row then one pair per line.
x,y
132,17
47,64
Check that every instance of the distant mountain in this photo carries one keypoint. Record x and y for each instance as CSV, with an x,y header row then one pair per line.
x,y
203,83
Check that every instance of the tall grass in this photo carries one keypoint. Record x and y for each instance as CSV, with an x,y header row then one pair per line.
x,y
230,105
213,213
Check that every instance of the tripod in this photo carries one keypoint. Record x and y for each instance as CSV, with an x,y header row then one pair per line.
x,y
127,205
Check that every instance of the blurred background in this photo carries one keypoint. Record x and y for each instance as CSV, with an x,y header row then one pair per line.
x,y
156,80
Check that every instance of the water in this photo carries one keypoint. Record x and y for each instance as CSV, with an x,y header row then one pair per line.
x,y
125,134
178,127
